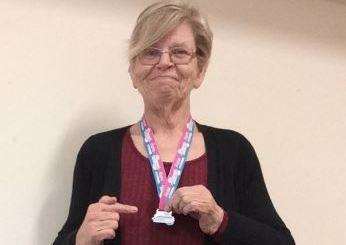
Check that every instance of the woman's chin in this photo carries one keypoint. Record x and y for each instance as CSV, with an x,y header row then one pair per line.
x,y
166,90
167,96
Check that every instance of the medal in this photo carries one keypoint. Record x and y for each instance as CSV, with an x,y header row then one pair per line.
x,y
163,217
166,185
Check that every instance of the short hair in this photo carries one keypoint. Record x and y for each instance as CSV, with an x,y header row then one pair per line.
x,y
160,18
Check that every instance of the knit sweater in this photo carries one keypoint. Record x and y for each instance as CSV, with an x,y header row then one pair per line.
x,y
234,178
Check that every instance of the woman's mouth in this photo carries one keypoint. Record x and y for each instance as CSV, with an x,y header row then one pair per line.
x,y
165,78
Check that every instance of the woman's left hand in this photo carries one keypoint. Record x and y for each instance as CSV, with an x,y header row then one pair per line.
x,y
198,202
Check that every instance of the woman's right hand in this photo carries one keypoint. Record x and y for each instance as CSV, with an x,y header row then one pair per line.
x,y
101,221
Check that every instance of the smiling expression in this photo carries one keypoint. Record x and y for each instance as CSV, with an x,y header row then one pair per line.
x,y
167,82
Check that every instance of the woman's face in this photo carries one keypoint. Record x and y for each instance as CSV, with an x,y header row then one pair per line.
x,y
166,82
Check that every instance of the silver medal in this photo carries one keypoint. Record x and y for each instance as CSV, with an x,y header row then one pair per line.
x,y
163,217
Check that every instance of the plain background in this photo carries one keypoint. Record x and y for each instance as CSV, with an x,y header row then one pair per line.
x,y
277,75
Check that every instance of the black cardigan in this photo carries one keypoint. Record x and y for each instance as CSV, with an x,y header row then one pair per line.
x,y
234,178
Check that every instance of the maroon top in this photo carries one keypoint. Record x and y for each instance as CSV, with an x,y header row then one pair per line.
x,y
138,189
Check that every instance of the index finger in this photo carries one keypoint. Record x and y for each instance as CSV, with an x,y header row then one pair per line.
x,y
120,208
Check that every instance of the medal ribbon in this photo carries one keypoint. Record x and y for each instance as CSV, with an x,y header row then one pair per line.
x,y
166,185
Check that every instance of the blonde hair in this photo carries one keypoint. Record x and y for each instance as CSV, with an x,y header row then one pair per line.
x,y
160,18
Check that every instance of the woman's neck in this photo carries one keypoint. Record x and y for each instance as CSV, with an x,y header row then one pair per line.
x,y
167,121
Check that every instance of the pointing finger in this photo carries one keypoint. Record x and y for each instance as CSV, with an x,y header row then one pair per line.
x,y
120,208
127,209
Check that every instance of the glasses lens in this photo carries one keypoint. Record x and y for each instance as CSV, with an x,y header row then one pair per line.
x,y
150,56
180,56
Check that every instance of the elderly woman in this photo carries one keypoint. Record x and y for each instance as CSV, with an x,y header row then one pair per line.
x,y
168,179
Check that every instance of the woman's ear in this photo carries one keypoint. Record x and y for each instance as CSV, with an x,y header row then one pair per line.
x,y
130,71
200,77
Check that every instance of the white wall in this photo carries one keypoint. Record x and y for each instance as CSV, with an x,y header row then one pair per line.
x,y
278,75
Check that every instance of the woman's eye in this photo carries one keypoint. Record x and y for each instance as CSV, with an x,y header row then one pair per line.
x,y
180,51
152,53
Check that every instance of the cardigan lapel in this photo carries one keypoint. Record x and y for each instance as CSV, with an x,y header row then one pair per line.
x,y
113,169
112,181
213,160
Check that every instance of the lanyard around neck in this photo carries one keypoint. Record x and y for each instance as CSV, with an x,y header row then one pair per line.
x,y
166,185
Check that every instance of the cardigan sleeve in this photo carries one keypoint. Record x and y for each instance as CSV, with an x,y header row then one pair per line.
x,y
256,222
79,198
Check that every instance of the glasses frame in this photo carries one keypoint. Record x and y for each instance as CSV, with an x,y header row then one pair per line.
x,y
192,55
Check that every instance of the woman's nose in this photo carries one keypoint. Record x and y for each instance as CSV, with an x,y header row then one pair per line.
x,y
165,61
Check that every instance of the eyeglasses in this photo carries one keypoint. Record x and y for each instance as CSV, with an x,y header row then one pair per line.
x,y
178,55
